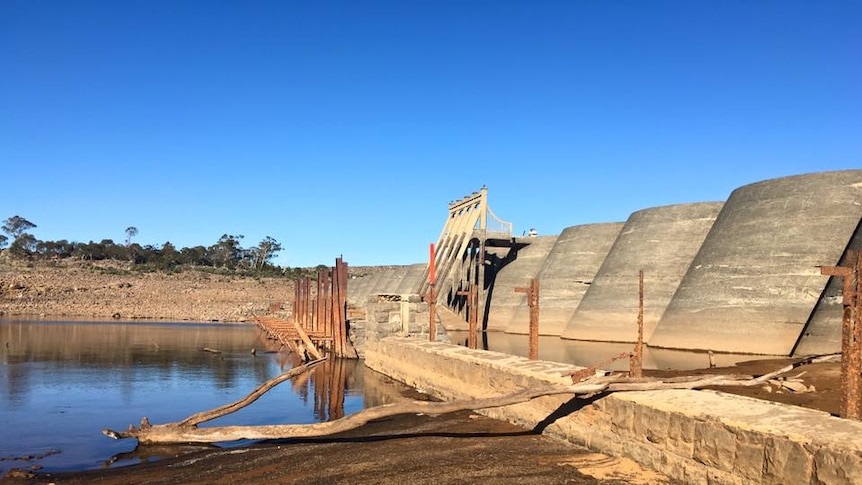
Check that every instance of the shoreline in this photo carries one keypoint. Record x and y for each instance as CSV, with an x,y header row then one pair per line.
x,y
454,448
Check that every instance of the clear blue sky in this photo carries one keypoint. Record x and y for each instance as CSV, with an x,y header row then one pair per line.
x,y
347,127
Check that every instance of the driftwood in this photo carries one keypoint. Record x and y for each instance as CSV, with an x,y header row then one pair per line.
x,y
186,431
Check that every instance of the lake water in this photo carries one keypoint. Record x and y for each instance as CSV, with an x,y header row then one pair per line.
x,y
587,354
61,383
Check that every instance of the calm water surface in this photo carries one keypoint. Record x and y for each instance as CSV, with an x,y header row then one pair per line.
x,y
586,354
61,383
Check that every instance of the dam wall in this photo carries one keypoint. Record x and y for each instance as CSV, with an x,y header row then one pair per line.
x,y
565,275
661,241
359,289
741,276
755,281
518,273
392,280
695,437
822,333
412,279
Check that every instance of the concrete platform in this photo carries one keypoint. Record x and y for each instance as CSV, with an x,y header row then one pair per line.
x,y
697,437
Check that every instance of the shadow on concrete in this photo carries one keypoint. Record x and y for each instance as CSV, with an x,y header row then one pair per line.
x,y
572,405
495,264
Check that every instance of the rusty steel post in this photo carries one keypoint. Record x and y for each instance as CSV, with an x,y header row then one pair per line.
x,y
327,328
851,333
327,304
854,387
295,305
534,319
472,335
474,316
532,292
336,310
432,297
303,308
300,306
636,362
342,304
305,302
318,322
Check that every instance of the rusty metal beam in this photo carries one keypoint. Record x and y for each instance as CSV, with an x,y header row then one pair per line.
x,y
851,333
337,315
472,315
636,361
432,297
532,292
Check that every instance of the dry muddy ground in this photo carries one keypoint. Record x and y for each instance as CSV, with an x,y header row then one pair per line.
x,y
109,290
453,448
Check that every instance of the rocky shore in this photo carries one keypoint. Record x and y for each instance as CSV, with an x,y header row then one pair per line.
x,y
80,289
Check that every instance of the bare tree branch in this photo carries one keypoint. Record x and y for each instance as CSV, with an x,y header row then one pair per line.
x,y
186,431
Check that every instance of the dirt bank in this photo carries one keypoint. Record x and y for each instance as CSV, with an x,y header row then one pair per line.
x,y
106,290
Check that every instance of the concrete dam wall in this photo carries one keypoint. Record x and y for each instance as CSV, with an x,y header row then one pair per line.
x,y
566,274
504,300
755,282
412,279
741,276
661,241
822,334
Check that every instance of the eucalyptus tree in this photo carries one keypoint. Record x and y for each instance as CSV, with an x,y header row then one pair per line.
x,y
16,226
264,252
23,244
131,232
226,252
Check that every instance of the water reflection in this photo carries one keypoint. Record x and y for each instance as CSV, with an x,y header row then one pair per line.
x,y
62,382
585,354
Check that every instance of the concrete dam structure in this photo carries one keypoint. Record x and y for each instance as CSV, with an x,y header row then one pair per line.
x,y
661,241
740,276
822,333
504,301
565,275
755,281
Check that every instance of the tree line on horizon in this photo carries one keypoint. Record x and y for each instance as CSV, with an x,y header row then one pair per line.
x,y
226,254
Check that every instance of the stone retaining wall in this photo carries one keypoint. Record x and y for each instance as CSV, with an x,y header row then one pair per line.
x,y
698,437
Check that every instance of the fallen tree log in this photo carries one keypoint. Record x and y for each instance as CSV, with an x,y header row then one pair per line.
x,y
186,431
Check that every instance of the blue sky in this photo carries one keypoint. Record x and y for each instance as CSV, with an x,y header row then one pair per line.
x,y
347,127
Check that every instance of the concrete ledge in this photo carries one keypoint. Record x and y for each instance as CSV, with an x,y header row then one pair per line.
x,y
698,437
